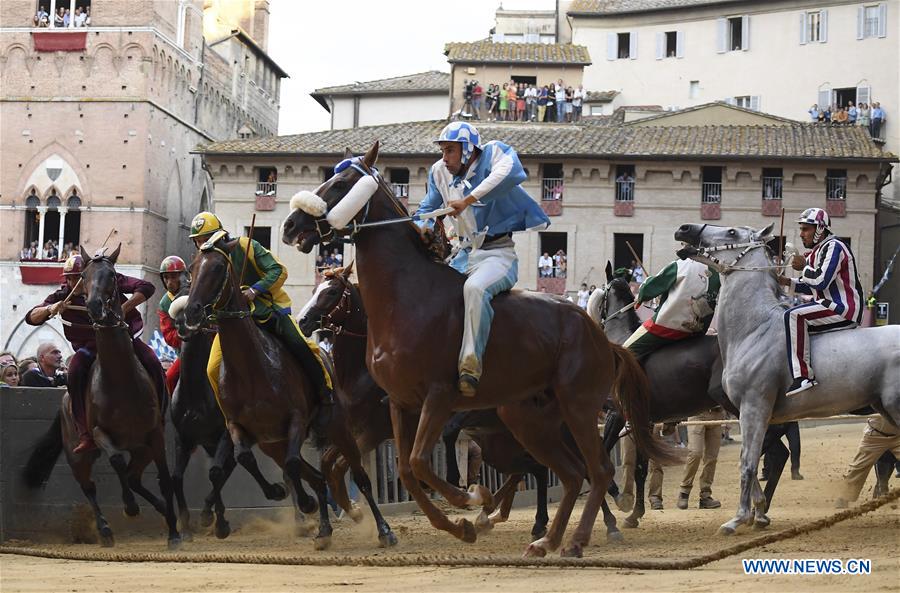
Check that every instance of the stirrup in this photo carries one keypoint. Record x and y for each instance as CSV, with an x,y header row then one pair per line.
x,y
800,384
467,385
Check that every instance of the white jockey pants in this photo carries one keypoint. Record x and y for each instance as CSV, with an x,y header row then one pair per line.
x,y
490,271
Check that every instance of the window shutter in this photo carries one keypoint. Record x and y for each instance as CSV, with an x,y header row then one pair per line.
x,y
612,43
860,22
824,98
679,44
632,45
863,94
823,26
730,100
882,20
754,102
660,45
803,17
745,32
721,37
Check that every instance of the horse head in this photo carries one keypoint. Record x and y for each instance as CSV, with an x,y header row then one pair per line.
x,y
101,289
213,286
331,304
326,214
701,241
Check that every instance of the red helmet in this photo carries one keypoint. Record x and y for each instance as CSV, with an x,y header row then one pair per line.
x,y
173,263
73,266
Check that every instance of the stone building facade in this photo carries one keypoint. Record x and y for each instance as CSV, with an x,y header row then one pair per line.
x,y
98,127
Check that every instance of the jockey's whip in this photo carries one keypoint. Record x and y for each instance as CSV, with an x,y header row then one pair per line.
x,y
781,243
77,284
637,259
247,252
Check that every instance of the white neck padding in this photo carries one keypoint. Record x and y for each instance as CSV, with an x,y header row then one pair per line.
x,y
344,211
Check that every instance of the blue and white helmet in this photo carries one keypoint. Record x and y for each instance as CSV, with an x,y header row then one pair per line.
x,y
464,133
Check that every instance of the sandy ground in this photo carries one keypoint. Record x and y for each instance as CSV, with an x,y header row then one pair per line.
x,y
669,534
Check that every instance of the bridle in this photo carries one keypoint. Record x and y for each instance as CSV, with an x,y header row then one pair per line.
x,y
728,267
604,306
215,309
335,318
107,303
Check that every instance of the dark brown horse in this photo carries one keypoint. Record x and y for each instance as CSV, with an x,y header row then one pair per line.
x,y
537,344
265,396
123,412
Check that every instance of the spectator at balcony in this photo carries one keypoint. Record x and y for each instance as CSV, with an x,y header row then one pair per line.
x,y
520,102
560,102
512,98
551,103
578,98
477,95
48,372
28,252
87,12
41,18
624,186
490,100
338,258
559,264
531,96
320,264
852,113
841,117
50,250
863,117
570,96
504,102
59,18
877,120
67,18
824,116
583,295
637,273
542,103
80,16
545,265
814,113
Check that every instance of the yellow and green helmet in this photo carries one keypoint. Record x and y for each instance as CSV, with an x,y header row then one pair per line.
x,y
205,223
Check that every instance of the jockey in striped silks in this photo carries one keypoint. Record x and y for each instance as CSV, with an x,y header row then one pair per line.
x,y
829,276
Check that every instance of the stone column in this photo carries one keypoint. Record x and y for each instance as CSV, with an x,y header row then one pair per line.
x,y
51,25
71,25
42,212
62,230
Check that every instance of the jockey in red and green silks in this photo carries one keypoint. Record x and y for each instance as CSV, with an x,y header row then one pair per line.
x,y
688,292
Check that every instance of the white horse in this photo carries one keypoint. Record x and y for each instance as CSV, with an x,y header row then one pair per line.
x,y
855,368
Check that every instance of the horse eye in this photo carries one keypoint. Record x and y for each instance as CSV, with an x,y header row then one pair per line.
x,y
731,232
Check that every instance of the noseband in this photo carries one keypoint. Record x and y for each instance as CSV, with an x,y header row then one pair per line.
x,y
335,318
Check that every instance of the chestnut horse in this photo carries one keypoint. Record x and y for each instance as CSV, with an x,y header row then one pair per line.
x,y
123,411
537,344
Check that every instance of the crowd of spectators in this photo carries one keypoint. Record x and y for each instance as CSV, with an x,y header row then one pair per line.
x,y
871,117
45,369
553,266
51,251
63,17
519,101
328,260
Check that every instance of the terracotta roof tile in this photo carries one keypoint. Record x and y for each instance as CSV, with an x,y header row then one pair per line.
x,y
432,80
614,7
486,51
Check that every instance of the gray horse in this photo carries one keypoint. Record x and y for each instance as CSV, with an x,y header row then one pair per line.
x,y
753,345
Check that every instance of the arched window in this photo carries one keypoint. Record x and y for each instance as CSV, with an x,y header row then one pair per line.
x,y
32,226
52,226
72,225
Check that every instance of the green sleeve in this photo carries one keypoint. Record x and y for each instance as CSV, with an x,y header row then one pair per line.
x,y
272,272
659,284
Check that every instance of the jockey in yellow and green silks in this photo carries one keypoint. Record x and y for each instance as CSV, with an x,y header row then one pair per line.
x,y
270,306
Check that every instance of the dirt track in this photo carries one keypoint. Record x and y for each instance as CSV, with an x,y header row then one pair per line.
x,y
669,534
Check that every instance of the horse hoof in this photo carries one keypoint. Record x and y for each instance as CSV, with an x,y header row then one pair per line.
x,y
387,540
539,532
572,552
355,513
469,535
174,542
614,537
186,535
726,530
761,522
276,492
132,510
304,528
309,506
206,517
480,495
223,529
106,537
483,523
535,550
322,542
630,522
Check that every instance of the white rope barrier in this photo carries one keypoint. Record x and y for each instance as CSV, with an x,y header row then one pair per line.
x,y
736,421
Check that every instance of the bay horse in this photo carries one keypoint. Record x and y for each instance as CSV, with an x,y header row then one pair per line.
x,y
124,412
198,421
753,345
264,394
337,306
537,344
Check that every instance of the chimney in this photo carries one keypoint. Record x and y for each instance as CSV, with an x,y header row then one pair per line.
x,y
260,29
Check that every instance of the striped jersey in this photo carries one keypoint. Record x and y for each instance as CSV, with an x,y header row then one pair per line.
x,y
830,277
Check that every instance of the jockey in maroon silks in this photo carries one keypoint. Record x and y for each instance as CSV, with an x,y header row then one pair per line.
x,y
81,335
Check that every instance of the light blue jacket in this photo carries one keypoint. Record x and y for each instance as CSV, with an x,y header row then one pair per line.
x,y
503,206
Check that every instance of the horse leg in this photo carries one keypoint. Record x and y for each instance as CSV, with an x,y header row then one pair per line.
x,y
753,428
226,450
386,537
505,494
640,482
613,535
404,435
81,469
140,459
214,499
244,454
536,435
158,448
329,468
541,518
117,461
777,454
183,451
296,468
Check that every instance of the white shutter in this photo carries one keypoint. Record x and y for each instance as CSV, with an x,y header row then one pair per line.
x,y
863,94
721,36
823,26
730,100
660,45
612,43
824,98
860,22
632,45
882,19
754,102
803,17
745,32
679,44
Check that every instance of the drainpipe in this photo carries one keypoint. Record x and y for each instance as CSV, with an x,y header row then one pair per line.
x,y
883,179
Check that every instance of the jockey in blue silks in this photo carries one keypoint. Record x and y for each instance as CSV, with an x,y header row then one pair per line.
x,y
481,183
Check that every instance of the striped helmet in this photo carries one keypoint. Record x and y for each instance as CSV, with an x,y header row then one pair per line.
x,y
464,133
73,266
819,218
173,263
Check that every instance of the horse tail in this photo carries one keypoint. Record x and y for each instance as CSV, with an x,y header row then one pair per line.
x,y
632,389
44,455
